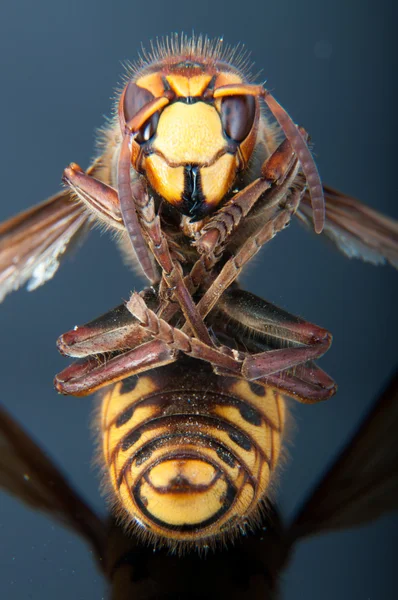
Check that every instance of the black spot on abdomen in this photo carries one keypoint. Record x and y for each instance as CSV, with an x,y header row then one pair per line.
x,y
241,439
250,414
257,389
128,385
124,416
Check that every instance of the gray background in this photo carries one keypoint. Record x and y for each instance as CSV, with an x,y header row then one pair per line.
x,y
331,66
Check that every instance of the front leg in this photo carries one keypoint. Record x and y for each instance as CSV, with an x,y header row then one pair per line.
x,y
278,219
172,272
267,195
103,201
276,169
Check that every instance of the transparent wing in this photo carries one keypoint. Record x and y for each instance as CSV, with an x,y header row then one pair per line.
x,y
357,230
362,483
27,474
33,243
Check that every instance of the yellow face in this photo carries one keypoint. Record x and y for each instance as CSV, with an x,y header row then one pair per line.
x,y
191,151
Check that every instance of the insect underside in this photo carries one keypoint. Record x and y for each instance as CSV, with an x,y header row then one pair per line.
x,y
194,178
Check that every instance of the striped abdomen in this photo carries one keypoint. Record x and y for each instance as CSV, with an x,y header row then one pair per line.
x,y
190,454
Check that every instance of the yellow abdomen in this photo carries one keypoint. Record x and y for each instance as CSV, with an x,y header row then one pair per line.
x,y
190,454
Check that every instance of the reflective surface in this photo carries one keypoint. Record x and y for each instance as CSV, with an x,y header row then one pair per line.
x,y
332,69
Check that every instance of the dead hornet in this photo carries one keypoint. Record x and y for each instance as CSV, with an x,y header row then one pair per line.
x,y
195,179
360,486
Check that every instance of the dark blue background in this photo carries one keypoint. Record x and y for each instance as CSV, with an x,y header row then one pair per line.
x,y
332,66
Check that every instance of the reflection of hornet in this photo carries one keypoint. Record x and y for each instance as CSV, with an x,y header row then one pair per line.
x,y
195,180
360,486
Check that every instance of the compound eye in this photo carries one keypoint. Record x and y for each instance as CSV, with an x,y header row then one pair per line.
x,y
237,116
135,98
148,129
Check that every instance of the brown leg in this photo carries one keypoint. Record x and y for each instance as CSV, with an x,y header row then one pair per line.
x,y
216,233
171,269
177,340
115,331
261,320
90,374
233,267
286,340
280,168
308,382
296,139
103,200
259,326
273,361
301,388
99,197
239,364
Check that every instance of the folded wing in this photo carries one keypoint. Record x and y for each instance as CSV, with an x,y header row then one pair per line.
x,y
357,230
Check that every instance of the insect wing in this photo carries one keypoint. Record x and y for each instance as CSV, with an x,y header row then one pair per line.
x,y
357,230
362,484
27,474
32,243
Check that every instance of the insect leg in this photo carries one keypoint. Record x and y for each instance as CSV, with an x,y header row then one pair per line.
x,y
116,330
301,387
90,374
259,326
255,317
216,233
233,267
177,340
267,195
172,272
272,361
295,137
309,385
104,201
99,197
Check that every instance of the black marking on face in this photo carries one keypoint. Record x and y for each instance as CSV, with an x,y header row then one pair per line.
x,y
193,202
241,439
257,389
250,414
124,416
128,385
189,99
